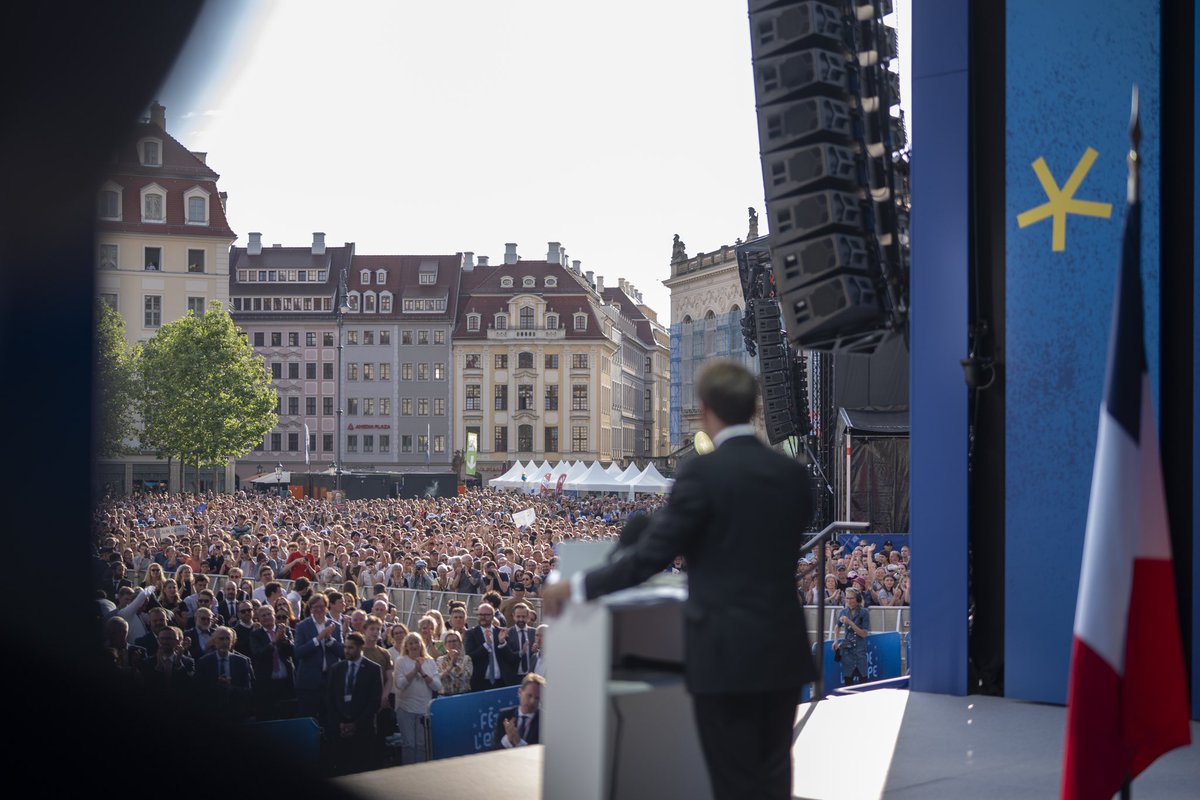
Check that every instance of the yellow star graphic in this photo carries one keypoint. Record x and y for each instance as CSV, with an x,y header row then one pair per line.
x,y
1061,202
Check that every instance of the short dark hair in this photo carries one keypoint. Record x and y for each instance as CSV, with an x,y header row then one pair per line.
x,y
272,587
355,636
729,390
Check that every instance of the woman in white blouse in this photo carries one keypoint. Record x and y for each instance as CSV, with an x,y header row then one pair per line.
x,y
416,681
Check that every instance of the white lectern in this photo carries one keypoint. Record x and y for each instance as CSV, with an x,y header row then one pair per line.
x,y
617,721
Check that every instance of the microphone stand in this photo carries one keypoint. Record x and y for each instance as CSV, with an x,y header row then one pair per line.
x,y
819,541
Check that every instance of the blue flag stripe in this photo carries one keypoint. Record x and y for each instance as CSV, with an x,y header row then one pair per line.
x,y
1127,348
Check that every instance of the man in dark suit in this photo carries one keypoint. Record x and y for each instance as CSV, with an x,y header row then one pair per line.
x,y
169,670
117,580
494,664
520,725
243,626
200,634
271,651
352,696
742,500
224,678
318,648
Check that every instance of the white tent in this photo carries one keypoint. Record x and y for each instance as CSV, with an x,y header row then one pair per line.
x,y
650,481
630,473
561,468
541,470
613,470
596,479
510,479
577,469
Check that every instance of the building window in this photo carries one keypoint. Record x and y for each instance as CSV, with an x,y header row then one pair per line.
x,y
427,277
524,360
500,322
352,443
406,443
368,406
551,282
526,318
501,361
422,337
581,322
310,407
422,443
368,371
422,372
368,337
528,282
439,337
152,311
439,443
579,438
277,442
195,260
196,306
152,259
646,442
150,152
312,443
369,302
385,372
259,338
474,361
352,406
506,282
501,391
327,406
579,361
406,372
106,256
381,276
385,337
552,361
579,397
369,443
294,371
327,442
525,397
500,441
406,407
552,397
310,370
110,203
439,406
310,340
152,207
385,304
327,370
276,370
385,406
385,443
552,439
474,401
197,208
405,337
439,372
327,339
472,322
525,438
552,322
352,300
293,409
352,372
364,277
351,337
423,407
110,300
276,339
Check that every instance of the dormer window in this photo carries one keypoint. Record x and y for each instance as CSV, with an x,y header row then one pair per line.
x,y
150,152
427,276
364,277
506,282
352,300
385,302
551,282
369,302
472,322
110,202
581,322
154,203
381,276
500,322
528,282
552,322
195,202
526,316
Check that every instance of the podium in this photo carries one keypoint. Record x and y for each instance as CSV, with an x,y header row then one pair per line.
x,y
616,718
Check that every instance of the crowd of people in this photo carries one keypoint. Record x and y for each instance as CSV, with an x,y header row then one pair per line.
x,y
259,604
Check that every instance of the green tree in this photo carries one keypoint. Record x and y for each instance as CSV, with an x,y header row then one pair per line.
x,y
206,397
116,383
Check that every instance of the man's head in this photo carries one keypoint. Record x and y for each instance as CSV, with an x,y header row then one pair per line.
x,y
485,614
458,618
222,640
273,591
337,602
727,392
530,695
266,575
354,645
265,616
169,639
158,619
358,619
520,615
116,631
204,619
372,629
245,613
318,604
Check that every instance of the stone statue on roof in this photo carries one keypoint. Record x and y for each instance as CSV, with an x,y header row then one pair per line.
x,y
753,233
678,251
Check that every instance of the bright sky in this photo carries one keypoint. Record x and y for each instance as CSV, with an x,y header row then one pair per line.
x,y
436,127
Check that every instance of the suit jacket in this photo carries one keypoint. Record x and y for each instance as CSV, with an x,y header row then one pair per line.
x,y
196,651
738,515
241,673
532,735
242,645
261,650
363,703
227,609
180,680
513,644
310,656
506,658
149,643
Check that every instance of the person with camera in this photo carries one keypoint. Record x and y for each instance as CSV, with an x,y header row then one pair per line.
x,y
420,579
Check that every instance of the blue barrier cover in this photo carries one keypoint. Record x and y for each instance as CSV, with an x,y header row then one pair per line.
x,y
463,723
883,661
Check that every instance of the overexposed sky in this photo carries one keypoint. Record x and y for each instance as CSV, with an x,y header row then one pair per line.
x,y
434,127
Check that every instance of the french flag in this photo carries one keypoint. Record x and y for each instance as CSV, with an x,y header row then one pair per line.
x,y
1127,700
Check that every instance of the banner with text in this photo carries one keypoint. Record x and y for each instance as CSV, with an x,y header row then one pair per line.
x,y
464,723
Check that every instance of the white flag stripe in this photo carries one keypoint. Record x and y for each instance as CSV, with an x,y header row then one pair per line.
x,y
1154,539
1108,544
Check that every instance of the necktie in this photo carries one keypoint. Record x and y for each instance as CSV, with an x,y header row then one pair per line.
x,y
274,654
350,678
524,725
524,654
493,672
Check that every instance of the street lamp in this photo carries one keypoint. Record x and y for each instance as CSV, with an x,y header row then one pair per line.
x,y
342,309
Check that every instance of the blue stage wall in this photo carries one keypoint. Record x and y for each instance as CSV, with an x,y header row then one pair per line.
x,y
1070,67
938,339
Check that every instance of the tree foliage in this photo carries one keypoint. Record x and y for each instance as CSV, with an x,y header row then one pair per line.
x,y
206,397
116,383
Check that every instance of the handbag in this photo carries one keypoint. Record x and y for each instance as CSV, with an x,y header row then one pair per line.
x,y
837,654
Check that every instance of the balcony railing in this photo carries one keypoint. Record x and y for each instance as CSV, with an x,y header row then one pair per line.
x,y
510,334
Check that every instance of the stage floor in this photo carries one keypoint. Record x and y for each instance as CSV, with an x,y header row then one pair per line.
x,y
888,743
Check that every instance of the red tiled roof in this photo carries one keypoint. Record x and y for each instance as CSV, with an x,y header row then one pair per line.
x,y
403,281
174,213
629,307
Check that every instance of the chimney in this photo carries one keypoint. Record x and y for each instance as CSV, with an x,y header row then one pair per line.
x,y
254,247
562,256
158,115
468,261
483,261
575,266
621,284
318,248
224,198
201,157
600,284
552,252
510,253
588,275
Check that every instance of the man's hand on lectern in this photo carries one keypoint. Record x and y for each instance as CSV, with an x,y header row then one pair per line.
x,y
554,597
